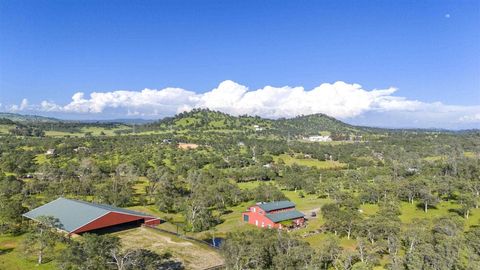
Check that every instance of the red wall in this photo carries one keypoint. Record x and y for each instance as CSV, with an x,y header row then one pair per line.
x,y
256,219
109,219
256,216
152,222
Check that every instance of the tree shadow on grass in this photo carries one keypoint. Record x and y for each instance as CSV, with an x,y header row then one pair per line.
x,y
228,211
456,211
5,250
421,206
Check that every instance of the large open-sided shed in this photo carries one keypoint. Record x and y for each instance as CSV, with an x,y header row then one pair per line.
x,y
79,216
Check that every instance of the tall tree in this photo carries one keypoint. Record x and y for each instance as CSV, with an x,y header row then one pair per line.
x,y
42,238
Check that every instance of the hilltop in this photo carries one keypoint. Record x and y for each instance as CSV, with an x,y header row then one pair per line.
x,y
205,119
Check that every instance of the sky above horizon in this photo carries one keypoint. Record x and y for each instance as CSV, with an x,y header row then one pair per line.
x,y
375,63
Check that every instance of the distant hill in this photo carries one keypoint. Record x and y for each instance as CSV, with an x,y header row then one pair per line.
x,y
314,124
136,121
21,118
205,119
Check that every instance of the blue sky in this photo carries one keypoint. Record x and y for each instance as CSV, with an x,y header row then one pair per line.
x,y
425,55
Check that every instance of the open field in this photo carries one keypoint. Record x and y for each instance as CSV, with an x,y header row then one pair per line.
x,y
5,128
95,131
328,164
11,258
192,254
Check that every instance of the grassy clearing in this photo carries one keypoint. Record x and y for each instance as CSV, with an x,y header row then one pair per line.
x,y
310,162
410,212
192,254
186,121
95,131
41,159
316,241
11,258
4,129
54,133
467,154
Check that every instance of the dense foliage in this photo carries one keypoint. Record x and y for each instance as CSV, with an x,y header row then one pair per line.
x,y
383,169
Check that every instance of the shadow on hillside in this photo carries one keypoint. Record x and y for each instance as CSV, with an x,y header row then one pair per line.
x,y
422,206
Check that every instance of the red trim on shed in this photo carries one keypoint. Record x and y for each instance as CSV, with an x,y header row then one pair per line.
x,y
110,219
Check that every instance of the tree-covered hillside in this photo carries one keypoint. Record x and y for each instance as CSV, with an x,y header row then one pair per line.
x,y
28,118
207,120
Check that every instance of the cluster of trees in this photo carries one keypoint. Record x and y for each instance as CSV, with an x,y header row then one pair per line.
x,y
200,193
11,207
440,244
21,130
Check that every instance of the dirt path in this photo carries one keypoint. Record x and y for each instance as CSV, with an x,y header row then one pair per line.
x,y
193,255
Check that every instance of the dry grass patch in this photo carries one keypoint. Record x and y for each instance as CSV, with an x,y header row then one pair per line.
x,y
193,255
186,146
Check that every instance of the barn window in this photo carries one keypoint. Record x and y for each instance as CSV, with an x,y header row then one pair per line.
x,y
245,218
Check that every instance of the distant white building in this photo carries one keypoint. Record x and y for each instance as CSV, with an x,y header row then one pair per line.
x,y
257,128
50,152
320,138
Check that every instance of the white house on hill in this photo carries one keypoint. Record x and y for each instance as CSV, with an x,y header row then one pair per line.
x,y
320,139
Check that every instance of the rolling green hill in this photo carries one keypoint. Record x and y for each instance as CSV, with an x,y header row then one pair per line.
x,y
207,120
21,118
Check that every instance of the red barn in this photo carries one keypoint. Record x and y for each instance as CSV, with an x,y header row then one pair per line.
x,y
78,216
279,215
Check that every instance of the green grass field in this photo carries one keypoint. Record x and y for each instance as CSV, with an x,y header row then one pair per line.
x,y
310,162
11,258
41,159
5,128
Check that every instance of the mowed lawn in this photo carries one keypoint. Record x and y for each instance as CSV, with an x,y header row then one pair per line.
x,y
310,162
192,254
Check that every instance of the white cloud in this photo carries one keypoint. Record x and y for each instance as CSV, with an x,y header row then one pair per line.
x,y
341,100
474,118
24,104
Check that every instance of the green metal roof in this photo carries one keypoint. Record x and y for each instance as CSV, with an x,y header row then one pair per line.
x,y
276,205
286,215
74,214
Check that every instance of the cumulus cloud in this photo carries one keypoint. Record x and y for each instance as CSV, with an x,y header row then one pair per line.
x,y
474,118
340,99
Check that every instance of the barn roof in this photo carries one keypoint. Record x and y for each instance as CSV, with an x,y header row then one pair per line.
x,y
74,214
271,206
286,215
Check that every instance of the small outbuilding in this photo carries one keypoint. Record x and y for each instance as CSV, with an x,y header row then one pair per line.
x,y
78,217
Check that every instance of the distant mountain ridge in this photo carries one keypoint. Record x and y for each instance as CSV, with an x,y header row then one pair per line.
x,y
209,120
23,118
